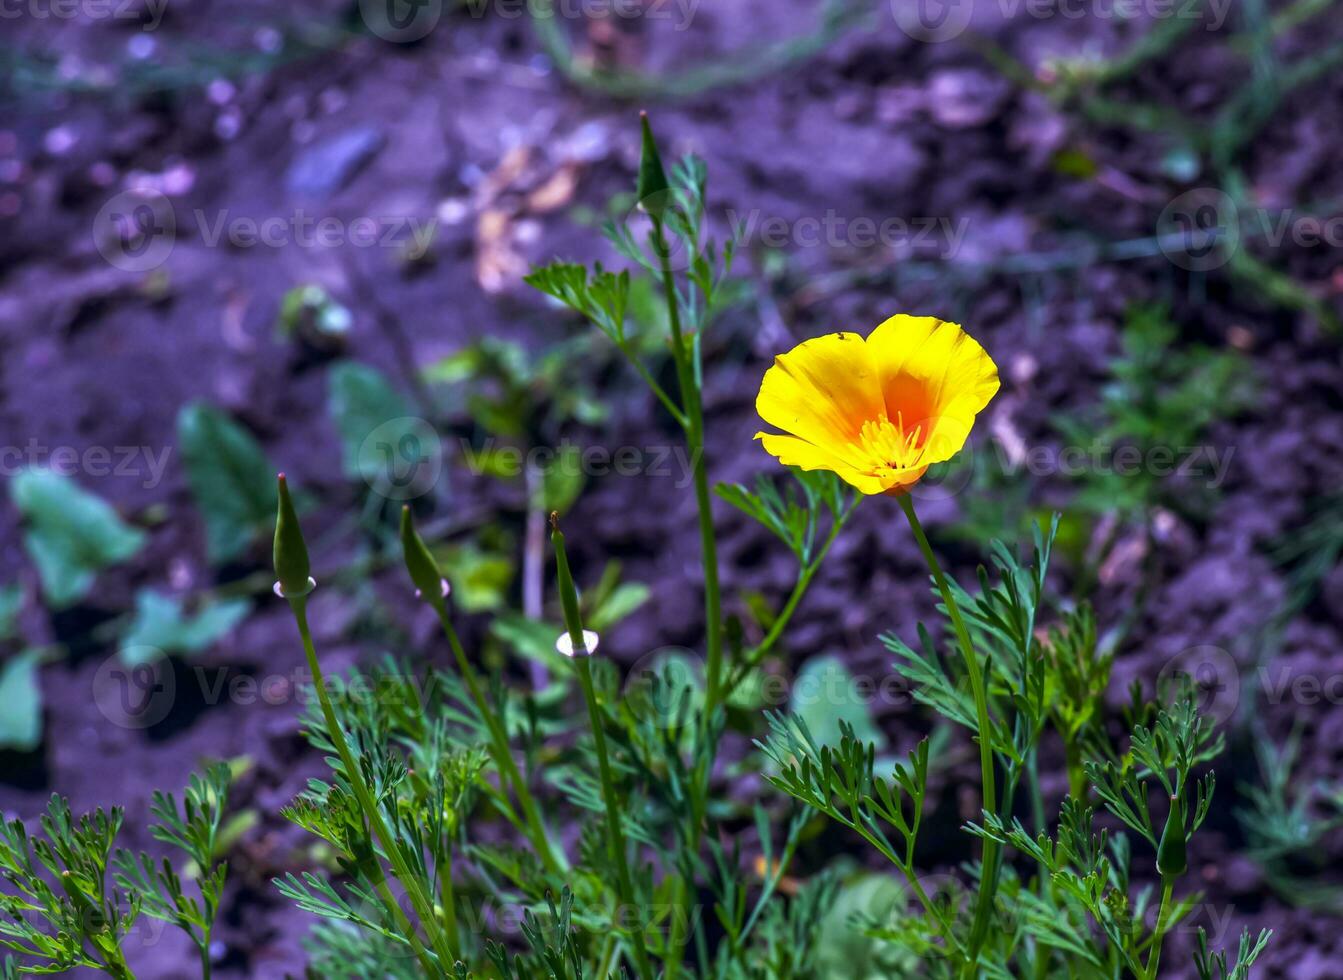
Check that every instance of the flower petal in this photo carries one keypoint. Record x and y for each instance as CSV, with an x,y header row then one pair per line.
x,y
823,390
935,374
792,451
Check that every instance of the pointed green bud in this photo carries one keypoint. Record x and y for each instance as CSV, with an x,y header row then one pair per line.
x,y
292,571
1170,853
429,582
653,191
573,622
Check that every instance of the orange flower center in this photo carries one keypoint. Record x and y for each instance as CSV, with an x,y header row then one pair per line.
x,y
890,445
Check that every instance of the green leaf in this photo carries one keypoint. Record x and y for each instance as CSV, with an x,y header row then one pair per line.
x,y
479,579
563,480
825,694
231,478
362,400
11,601
622,602
71,534
161,624
845,950
20,702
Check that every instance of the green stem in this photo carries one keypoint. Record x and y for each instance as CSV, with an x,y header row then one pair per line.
x,y
499,747
615,831
205,952
989,864
753,657
693,408
299,606
694,412
389,901
449,897
1154,954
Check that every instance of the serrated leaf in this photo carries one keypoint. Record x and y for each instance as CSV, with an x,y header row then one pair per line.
x,y
161,623
20,702
231,478
71,534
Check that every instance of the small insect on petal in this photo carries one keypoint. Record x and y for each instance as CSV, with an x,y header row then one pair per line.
x,y
565,644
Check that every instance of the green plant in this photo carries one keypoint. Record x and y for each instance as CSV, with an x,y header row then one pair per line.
x,y
61,912
194,830
602,812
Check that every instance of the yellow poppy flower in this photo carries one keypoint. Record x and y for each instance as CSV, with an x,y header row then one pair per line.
x,y
878,412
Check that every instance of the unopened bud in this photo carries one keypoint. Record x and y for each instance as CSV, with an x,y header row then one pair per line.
x,y
573,621
653,191
292,569
1171,860
430,585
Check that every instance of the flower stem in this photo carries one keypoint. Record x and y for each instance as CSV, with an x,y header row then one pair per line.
x,y
446,955
499,747
1154,954
989,865
693,405
693,423
615,833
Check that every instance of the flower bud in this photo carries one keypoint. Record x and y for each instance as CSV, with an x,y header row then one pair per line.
x,y
429,582
573,622
292,570
1170,853
653,191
